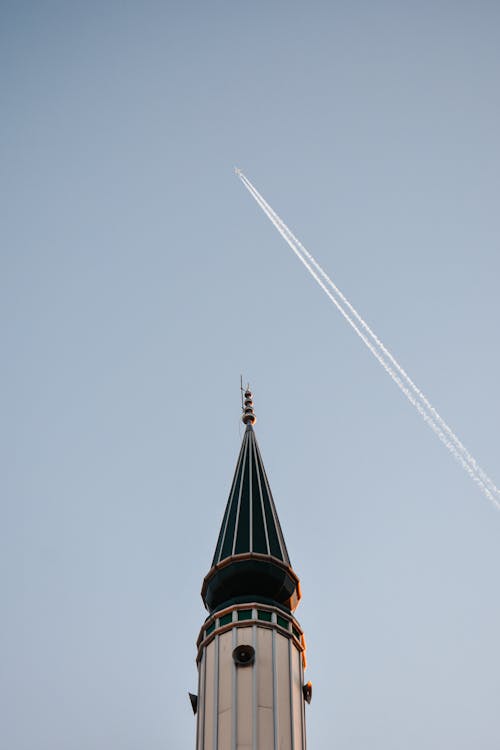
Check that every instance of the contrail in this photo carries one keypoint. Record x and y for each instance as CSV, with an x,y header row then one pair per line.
x,y
290,236
380,352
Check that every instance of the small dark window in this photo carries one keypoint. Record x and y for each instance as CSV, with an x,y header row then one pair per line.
x,y
245,614
225,619
283,622
266,616
210,628
296,633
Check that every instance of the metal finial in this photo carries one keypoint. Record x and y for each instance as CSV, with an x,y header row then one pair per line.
x,y
248,416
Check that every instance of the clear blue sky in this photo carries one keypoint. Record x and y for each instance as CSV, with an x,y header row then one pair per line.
x,y
138,280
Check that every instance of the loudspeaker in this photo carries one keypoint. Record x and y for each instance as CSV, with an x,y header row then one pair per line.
x,y
244,655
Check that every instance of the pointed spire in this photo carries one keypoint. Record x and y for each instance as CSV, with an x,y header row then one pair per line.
x,y
251,558
250,522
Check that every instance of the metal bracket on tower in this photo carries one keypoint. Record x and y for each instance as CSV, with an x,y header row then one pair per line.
x,y
194,702
308,691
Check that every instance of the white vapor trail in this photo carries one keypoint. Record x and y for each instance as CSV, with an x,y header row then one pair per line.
x,y
414,395
296,242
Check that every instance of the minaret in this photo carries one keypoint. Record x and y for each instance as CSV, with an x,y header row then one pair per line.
x,y
251,649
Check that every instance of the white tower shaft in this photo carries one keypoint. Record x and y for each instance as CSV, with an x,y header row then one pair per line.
x,y
258,704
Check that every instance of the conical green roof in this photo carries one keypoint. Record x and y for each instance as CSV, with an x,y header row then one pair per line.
x,y
251,561
250,523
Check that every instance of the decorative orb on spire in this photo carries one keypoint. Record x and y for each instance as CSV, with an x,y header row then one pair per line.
x,y
248,416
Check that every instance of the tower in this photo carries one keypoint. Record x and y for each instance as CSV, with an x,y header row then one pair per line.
x,y
251,649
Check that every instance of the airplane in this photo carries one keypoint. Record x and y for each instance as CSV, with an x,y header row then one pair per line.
x,y
238,171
